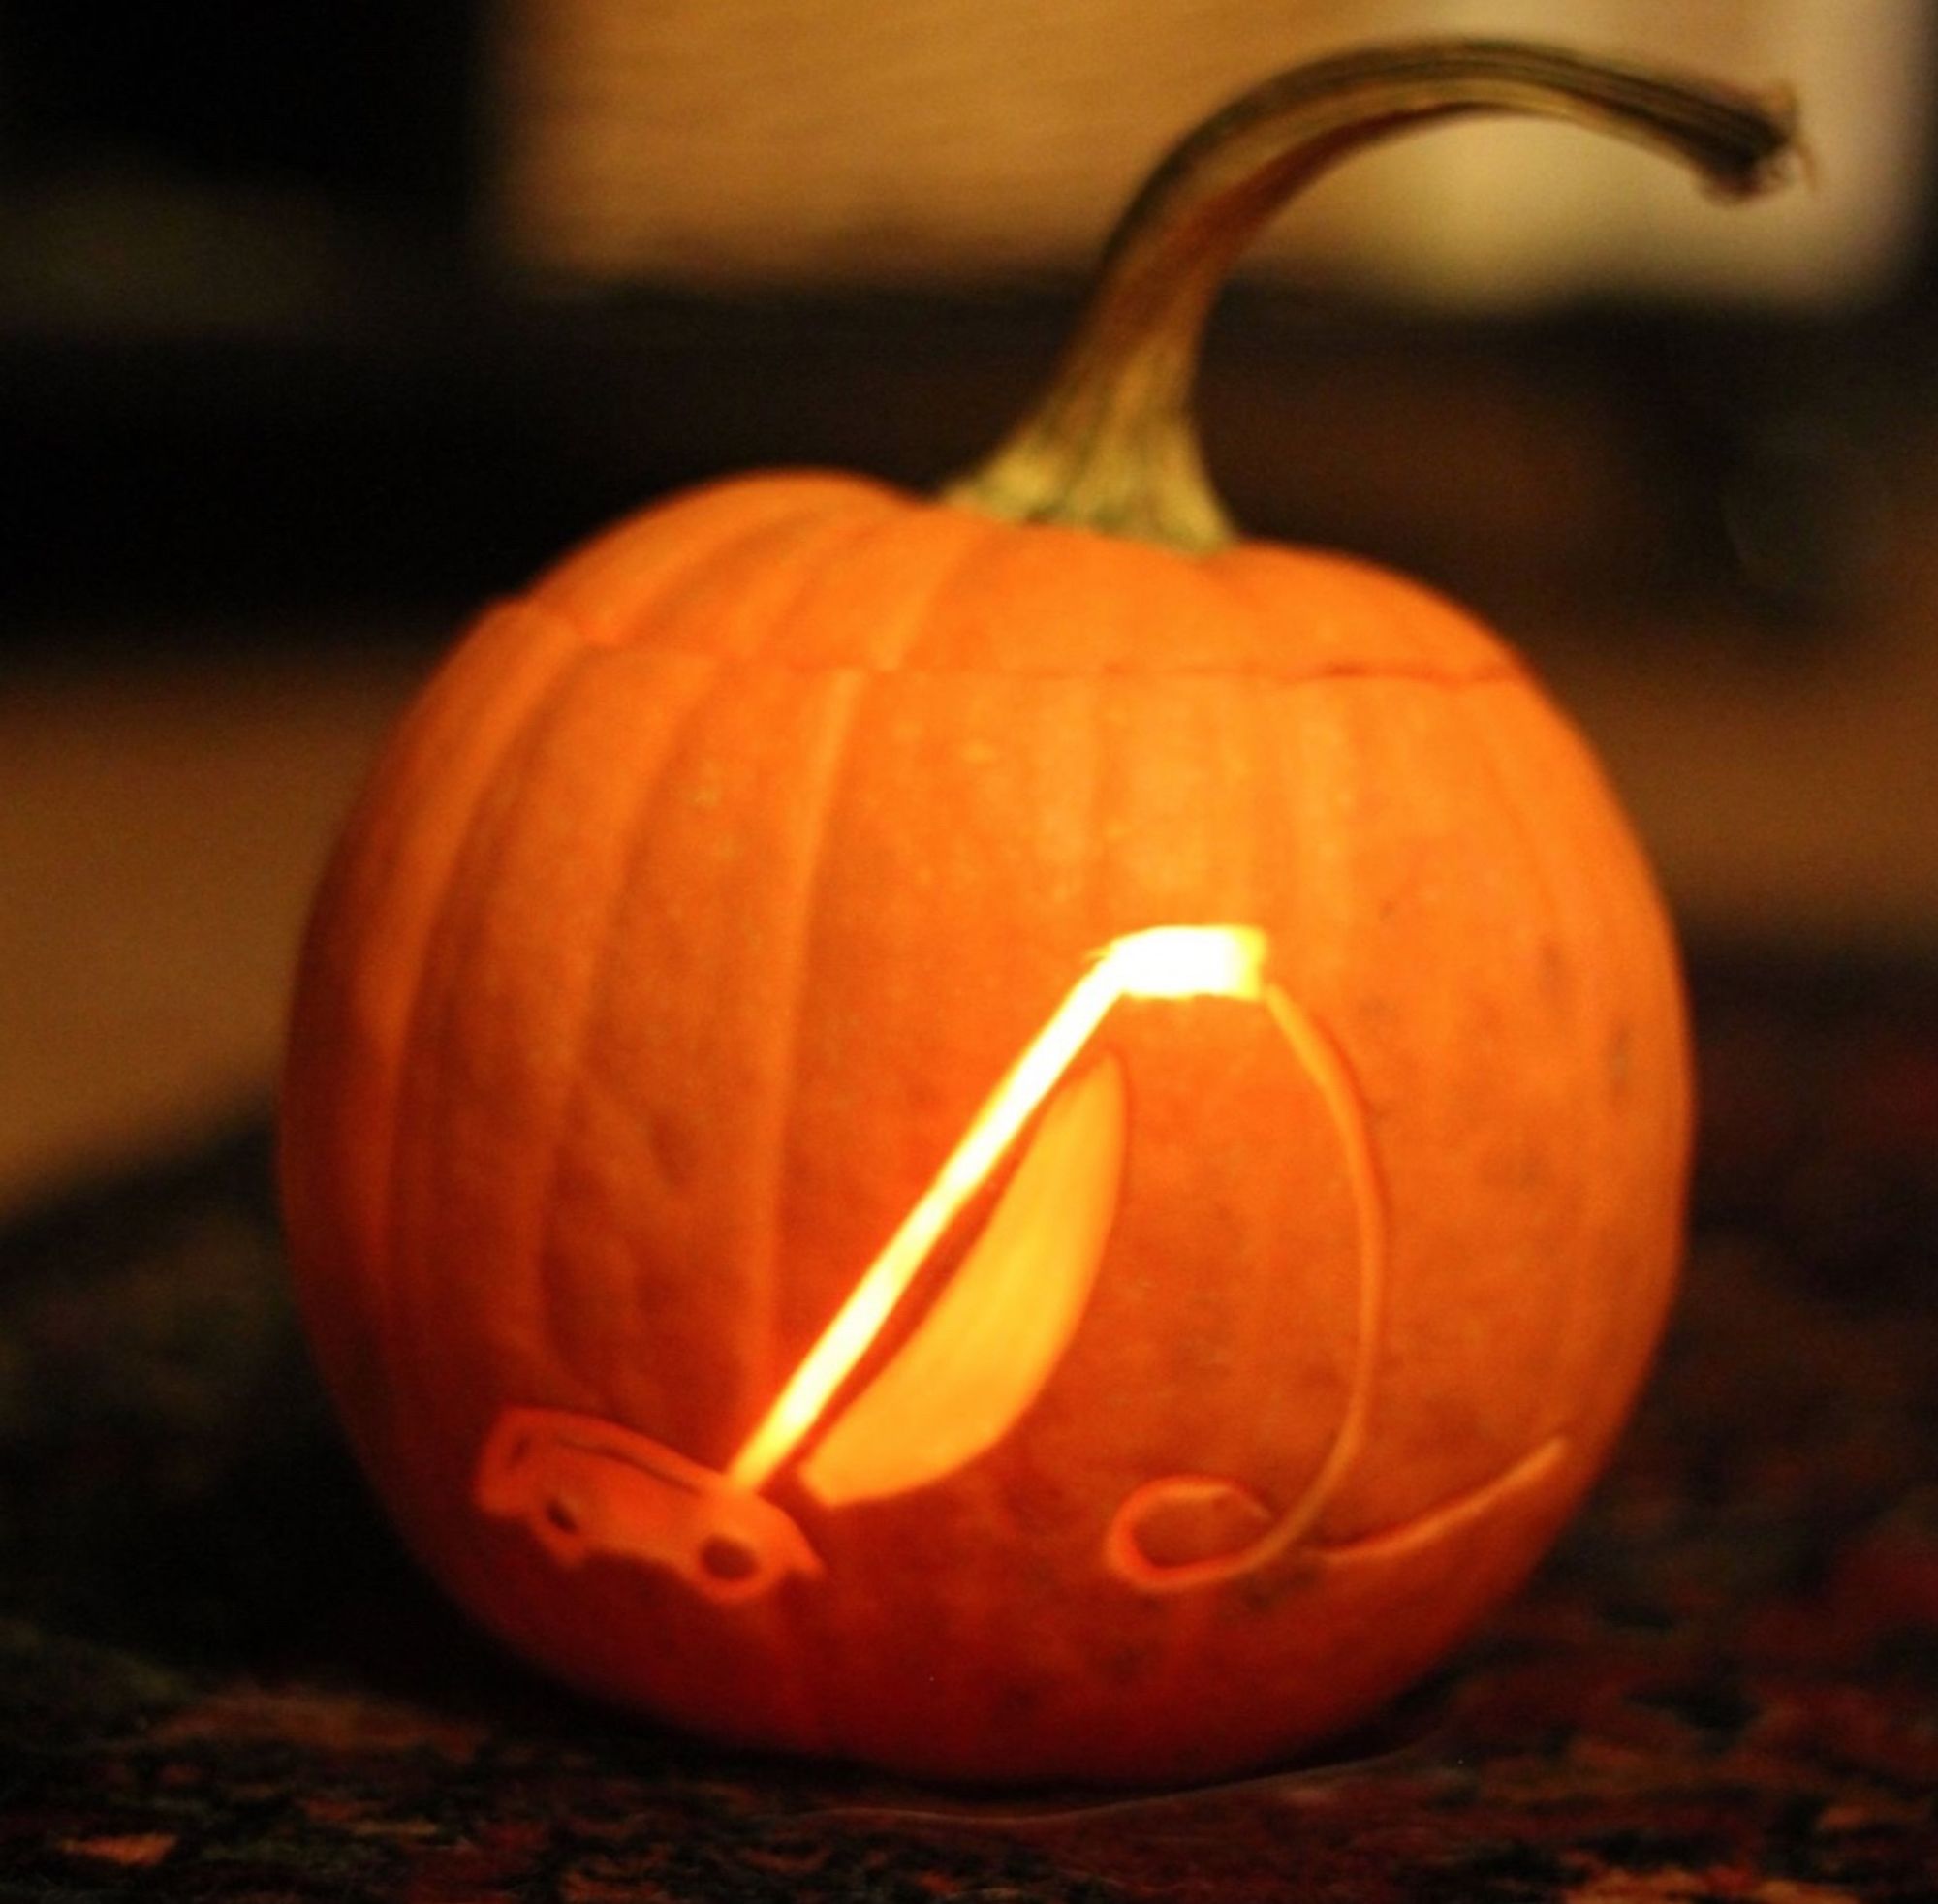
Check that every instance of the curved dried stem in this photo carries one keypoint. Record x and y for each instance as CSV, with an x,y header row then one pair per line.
x,y
1112,444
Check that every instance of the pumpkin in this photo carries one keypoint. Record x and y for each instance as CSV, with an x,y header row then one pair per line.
x,y
1006,1134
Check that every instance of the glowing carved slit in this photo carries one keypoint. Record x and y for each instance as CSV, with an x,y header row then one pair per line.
x,y
1173,961
584,1486
990,1342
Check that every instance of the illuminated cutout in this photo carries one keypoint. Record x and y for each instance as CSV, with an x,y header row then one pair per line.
x,y
1169,962
585,1487
987,1343
986,1347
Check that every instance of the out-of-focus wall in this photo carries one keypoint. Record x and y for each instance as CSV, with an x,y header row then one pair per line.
x,y
811,140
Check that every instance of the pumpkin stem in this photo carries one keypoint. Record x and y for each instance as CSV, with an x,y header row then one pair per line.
x,y
1112,444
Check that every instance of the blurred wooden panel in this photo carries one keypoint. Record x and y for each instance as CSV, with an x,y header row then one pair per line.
x,y
162,824
816,141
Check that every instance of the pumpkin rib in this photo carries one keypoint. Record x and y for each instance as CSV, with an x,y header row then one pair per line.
x,y
1603,916
418,1044
413,1048
815,792
830,536
813,890
517,740
1261,719
1354,754
932,554
780,548
821,798
950,564
419,1049
361,883
1612,870
1337,1081
621,561
553,1290
790,1684
1571,931
1457,649
832,767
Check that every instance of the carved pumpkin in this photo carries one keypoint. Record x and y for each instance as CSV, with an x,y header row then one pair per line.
x,y
1005,1135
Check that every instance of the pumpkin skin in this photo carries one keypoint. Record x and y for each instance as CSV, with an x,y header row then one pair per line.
x,y
693,913
1010,1138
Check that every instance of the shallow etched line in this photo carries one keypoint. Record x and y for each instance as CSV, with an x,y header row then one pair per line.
x,y
1327,1069
1447,1519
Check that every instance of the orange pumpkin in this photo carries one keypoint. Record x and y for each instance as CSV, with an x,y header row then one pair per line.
x,y
1008,1135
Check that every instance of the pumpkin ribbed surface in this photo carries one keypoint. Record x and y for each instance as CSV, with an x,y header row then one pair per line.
x,y
1013,1137
698,907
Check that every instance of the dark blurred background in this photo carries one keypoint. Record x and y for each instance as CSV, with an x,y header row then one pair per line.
x,y
320,323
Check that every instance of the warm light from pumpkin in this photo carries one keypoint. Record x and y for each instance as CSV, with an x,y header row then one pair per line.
x,y
992,1336
1177,961
1150,1345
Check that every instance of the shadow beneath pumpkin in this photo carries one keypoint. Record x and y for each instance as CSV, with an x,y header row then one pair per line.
x,y
1414,1728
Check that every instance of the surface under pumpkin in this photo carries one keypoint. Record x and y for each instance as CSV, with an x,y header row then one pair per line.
x,y
986,1144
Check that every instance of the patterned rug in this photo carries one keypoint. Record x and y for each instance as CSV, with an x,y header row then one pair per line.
x,y
219,1680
